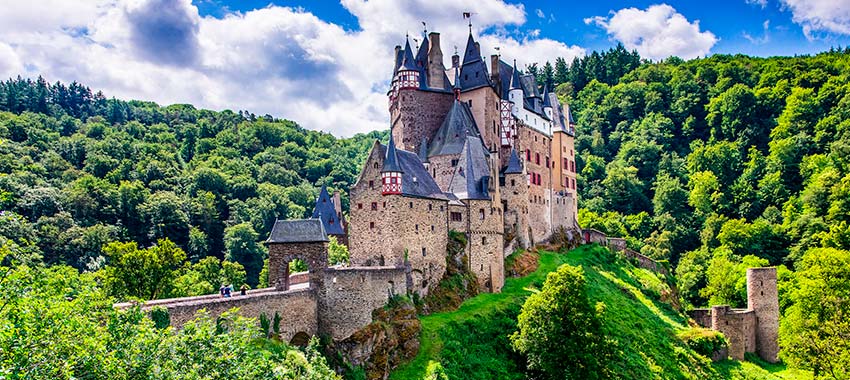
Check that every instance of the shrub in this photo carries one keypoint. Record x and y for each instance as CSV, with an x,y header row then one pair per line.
x,y
704,341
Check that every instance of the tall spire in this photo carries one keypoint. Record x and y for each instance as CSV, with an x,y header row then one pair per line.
x,y
456,87
546,101
408,63
515,84
391,160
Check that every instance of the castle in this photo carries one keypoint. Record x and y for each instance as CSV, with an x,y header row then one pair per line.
x,y
474,149
477,150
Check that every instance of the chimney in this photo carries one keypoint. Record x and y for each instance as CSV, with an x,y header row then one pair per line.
x,y
494,71
436,69
395,58
337,205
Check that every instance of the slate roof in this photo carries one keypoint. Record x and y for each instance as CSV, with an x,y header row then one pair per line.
x,y
472,175
423,150
325,211
297,231
452,134
473,71
408,63
514,164
546,101
398,58
391,159
424,185
505,75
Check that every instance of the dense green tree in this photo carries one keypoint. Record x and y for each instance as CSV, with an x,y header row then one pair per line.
x,y
242,247
815,332
144,273
560,331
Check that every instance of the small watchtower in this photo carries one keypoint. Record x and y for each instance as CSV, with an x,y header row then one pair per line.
x,y
763,300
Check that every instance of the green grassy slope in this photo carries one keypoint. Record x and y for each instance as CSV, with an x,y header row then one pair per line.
x,y
472,343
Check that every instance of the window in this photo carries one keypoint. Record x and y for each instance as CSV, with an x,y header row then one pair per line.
x,y
359,206
432,228
374,206
430,207
423,251
384,204
513,182
441,208
528,154
454,163
417,228
566,164
411,204
456,217
483,240
481,213
547,161
537,158
371,225
331,221
375,165
371,184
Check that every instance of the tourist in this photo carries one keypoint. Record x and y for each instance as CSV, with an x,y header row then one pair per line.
x,y
244,289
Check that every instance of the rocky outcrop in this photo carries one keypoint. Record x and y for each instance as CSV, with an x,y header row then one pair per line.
x,y
381,346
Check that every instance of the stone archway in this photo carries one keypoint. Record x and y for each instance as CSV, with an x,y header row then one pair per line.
x,y
297,239
300,339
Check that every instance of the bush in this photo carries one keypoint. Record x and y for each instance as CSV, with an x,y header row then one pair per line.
x,y
704,341
160,317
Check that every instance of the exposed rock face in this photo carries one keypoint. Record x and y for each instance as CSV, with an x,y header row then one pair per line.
x,y
458,283
522,263
381,346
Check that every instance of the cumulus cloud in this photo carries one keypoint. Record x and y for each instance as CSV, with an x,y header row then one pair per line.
x,y
820,16
277,60
657,32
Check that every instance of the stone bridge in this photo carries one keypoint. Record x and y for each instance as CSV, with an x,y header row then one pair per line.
x,y
330,301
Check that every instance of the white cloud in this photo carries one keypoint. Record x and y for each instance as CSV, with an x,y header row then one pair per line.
x,y
761,3
765,38
540,13
657,32
826,16
277,60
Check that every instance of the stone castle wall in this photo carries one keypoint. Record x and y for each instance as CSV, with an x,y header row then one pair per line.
x,y
297,308
485,104
738,326
515,204
351,294
416,115
441,169
485,242
563,211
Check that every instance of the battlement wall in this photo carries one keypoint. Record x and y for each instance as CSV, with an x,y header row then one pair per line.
x,y
297,308
739,328
350,294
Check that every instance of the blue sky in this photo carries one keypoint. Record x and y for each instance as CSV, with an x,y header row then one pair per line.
x,y
326,64
761,28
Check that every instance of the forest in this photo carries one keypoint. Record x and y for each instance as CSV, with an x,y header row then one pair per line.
x,y
711,165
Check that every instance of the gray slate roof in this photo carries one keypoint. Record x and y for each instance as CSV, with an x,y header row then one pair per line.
x,y
514,164
424,185
472,175
473,71
391,158
408,63
297,231
452,134
325,211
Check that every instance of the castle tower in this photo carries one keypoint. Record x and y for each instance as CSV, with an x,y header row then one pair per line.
x,y
515,200
391,171
762,299
420,94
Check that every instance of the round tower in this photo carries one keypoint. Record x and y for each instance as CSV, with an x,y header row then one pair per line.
x,y
407,75
391,171
763,300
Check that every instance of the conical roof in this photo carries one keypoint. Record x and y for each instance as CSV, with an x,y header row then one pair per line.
x,y
391,160
450,137
515,81
546,101
325,211
408,63
473,71
472,52
514,165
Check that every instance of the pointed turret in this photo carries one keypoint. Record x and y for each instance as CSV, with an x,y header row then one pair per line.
x,y
546,101
408,73
515,82
514,164
326,211
472,52
391,170
456,86
473,71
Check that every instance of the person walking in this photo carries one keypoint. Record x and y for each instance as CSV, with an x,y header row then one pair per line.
x,y
244,289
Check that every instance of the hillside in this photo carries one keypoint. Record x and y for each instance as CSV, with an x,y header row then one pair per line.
x,y
472,342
